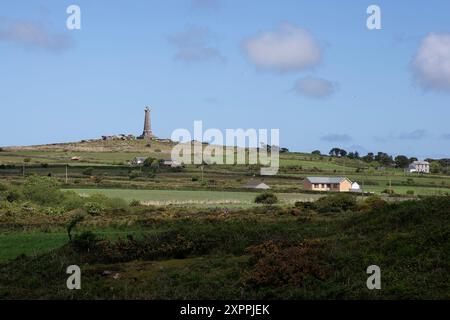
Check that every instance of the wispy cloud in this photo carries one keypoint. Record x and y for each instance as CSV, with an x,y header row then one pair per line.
x,y
317,88
287,48
32,34
194,44
431,64
446,136
413,135
335,137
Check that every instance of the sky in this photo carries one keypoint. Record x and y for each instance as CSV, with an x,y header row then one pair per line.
x,y
312,69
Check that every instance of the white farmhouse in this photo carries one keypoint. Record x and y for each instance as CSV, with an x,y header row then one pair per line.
x,y
419,166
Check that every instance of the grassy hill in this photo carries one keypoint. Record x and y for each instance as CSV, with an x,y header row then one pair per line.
x,y
250,254
109,160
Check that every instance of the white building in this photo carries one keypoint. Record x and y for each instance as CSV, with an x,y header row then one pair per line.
x,y
257,185
355,187
419,166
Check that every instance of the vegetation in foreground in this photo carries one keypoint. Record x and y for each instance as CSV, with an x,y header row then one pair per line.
x,y
315,250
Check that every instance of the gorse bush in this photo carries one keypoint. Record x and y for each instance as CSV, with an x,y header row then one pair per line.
x,y
266,198
85,241
372,203
94,208
339,202
42,190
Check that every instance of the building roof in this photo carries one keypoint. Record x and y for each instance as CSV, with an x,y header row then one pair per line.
x,y
255,184
140,158
326,179
420,162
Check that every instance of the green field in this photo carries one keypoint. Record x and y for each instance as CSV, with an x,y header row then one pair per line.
x,y
164,197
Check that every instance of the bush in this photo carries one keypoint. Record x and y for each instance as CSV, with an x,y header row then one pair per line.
x,y
13,195
339,202
308,206
410,192
86,241
72,201
135,203
42,190
274,265
194,179
372,203
266,198
94,208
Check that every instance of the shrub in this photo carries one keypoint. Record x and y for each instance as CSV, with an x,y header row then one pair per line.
x,y
305,205
86,241
276,266
266,198
94,208
42,190
194,179
135,203
13,195
339,202
72,201
410,192
372,203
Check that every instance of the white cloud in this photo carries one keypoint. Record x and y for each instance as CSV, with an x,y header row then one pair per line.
x,y
431,64
32,34
194,45
289,48
315,87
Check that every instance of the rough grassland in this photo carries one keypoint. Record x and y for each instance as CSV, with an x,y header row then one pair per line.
x,y
269,254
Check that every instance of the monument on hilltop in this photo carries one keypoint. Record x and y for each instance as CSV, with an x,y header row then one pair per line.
x,y
147,134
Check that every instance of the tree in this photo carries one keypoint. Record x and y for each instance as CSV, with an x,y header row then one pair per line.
x,y
369,157
435,167
316,152
334,152
384,159
401,161
342,153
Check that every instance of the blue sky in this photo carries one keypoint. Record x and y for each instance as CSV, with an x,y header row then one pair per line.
x,y
310,68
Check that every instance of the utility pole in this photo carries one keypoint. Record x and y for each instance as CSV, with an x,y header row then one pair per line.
x,y
201,167
67,166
